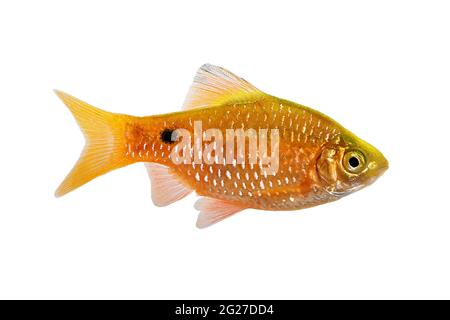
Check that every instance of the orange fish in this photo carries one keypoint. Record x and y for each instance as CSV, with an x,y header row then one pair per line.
x,y
235,145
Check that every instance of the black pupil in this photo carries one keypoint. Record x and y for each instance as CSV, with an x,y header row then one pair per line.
x,y
354,162
166,135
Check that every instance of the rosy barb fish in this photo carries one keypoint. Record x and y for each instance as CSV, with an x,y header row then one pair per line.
x,y
235,145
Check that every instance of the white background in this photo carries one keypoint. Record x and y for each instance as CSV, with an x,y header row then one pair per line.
x,y
380,68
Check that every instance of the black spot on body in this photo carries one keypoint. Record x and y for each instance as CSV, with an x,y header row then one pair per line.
x,y
166,136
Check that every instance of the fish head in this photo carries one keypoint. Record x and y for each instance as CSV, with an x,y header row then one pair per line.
x,y
349,164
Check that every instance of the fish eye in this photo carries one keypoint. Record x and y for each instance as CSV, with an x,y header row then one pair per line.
x,y
354,161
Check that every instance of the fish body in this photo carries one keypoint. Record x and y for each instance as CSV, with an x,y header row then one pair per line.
x,y
234,145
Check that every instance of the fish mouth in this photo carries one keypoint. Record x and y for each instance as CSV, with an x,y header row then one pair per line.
x,y
377,168
370,178
383,164
382,170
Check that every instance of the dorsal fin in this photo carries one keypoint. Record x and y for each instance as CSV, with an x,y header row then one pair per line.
x,y
166,187
214,85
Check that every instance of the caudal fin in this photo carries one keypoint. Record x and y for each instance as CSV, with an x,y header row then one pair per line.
x,y
105,146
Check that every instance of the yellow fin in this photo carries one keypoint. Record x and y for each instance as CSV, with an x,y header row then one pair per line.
x,y
105,148
214,85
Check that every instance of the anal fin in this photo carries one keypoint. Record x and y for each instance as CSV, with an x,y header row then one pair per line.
x,y
166,186
214,210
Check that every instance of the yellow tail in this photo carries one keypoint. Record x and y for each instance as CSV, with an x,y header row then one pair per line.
x,y
105,143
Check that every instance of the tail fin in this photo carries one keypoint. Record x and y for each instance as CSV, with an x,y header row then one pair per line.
x,y
105,143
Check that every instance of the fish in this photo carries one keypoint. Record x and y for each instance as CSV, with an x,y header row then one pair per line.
x,y
237,147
